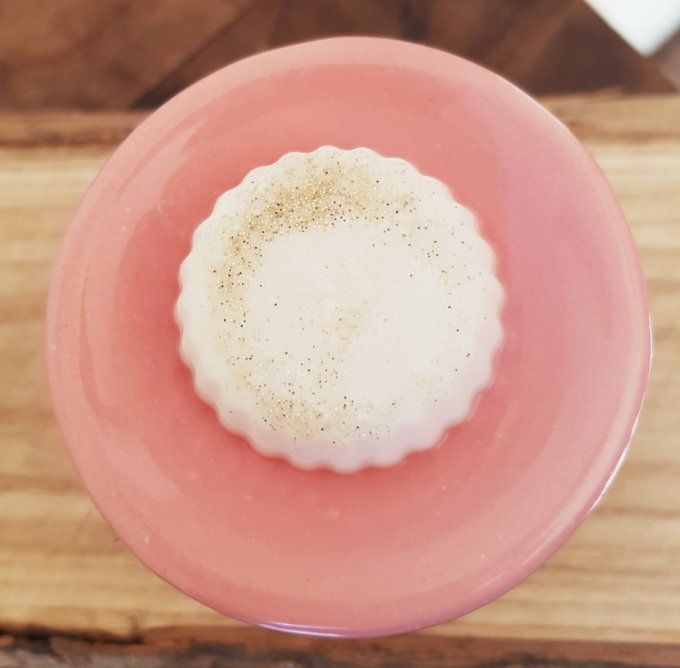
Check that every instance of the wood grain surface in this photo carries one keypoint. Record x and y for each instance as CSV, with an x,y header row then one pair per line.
x,y
244,647
124,54
103,54
610,597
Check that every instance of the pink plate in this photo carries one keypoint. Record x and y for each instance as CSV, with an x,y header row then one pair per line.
x,y
379,551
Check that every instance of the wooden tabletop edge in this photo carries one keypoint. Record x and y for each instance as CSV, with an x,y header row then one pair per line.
x,y
188,646
600,115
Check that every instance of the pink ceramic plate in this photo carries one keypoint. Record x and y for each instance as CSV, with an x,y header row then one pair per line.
x,y
386,550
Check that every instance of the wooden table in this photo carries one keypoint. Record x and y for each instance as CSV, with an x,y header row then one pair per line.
x,y
126,54
70,594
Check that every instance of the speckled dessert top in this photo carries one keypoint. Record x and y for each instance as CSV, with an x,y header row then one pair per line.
x,y
339,309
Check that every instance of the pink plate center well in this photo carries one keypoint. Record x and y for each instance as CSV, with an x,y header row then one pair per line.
x,y
383,550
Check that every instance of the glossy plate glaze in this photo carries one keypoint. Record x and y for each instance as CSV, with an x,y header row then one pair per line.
x,y
383,550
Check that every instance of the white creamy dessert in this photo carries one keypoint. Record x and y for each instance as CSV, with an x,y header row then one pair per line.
x,y
339,309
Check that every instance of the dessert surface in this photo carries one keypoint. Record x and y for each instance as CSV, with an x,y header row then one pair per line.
x,y
339,309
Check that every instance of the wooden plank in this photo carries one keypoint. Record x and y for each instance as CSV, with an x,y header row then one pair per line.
x,y
243,647
545,46
67,128
598,117
104,54
668,57
63,571
116,54
619,119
